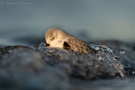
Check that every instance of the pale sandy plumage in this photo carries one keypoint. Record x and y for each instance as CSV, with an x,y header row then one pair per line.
x,y
56,37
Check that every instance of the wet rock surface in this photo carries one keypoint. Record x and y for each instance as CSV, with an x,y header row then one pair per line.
x,y
41,68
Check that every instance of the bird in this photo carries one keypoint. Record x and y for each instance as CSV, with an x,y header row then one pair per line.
x,y
58,38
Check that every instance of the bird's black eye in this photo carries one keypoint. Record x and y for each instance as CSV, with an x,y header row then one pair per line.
x,y
52,38
66,46
47,44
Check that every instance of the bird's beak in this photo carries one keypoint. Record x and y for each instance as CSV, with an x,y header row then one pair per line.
x,y
47,44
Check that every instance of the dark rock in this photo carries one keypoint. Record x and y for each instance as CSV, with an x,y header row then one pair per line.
x,y
30,73
41,68
87,66
128,58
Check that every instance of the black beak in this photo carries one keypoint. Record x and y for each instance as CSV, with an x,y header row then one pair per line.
x,y
47,44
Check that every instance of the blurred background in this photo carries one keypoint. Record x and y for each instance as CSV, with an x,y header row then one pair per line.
x,y
28,20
